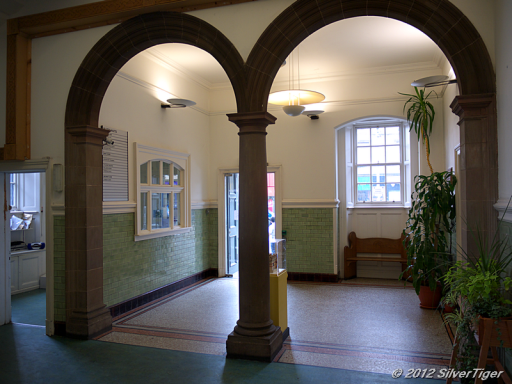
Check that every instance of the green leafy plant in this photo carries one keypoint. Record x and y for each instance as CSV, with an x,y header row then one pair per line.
x,y
420,115
429,229
432,214
478,285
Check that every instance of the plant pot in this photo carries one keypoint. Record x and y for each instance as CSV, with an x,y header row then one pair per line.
x,y
448,308
430,299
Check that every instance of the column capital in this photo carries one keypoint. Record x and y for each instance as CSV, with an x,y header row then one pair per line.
x,y
252,122
474,103
87,134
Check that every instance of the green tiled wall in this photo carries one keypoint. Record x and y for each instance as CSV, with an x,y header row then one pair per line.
x,y
132,268
309,239
213,236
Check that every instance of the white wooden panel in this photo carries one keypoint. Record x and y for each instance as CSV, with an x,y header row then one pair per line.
x,y
14,273
28,271
367,225
29,192
391,225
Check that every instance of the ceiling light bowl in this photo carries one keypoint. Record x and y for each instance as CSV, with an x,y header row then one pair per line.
x,y
181,103
295,97
293,110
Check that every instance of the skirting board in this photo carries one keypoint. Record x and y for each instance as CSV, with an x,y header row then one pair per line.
x,y
316,277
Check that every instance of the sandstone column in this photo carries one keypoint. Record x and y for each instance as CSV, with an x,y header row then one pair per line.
x,y
255,336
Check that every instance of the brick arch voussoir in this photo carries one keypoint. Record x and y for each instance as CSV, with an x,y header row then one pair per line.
x,y
444,23
133,36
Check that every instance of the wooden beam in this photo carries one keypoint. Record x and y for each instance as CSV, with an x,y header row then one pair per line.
x,y
17,130
105,13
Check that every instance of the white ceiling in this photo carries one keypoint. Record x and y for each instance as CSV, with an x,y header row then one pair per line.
x,y
357,45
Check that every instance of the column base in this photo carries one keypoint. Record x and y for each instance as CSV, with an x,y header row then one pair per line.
x,y
88,325
263,348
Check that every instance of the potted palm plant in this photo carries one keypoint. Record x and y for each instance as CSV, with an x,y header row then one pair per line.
x,y
432,214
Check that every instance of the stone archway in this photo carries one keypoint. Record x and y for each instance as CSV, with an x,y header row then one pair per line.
x,y
86,314
255,336
452,31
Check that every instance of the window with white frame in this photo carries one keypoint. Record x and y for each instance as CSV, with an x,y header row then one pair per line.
x,y
163,190
379,164
14,188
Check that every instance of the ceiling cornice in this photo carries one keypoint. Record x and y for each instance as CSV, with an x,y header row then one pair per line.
x,y
169,64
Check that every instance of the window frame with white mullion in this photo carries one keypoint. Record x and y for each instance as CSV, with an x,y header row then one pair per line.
x,y
401,164
162,188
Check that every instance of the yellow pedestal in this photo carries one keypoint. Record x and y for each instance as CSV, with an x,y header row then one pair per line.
x,y
278,299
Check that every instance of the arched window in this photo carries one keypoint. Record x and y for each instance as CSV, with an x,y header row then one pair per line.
x,y
163,205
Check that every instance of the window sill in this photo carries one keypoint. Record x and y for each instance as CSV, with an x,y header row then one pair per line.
x,y
379,206
155,234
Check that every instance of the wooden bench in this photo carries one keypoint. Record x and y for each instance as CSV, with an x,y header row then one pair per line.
x,y
372,245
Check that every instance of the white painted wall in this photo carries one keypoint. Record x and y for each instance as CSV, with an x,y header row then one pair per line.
x,y
131,107
243,23
504,96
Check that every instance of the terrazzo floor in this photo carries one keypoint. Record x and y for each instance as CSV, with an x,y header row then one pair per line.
x,y
365,325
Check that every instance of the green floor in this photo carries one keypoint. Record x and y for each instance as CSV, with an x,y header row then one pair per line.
x,y
29,307
27,355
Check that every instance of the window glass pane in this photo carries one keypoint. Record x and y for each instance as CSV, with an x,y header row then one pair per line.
x,y
393,174
363,155
363,174
378,136
144,211
156,207
166,197
166,171
378,192
378,174
177,176
378,155
144,173
393,192
363,137
363,192
393,154
13,196
407,146
177,209
392,136
155,172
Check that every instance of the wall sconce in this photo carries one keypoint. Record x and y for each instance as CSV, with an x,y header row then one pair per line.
x,y
433,81
313,115
178,103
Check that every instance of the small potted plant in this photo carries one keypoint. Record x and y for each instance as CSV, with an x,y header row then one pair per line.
x,y
432,214
478,285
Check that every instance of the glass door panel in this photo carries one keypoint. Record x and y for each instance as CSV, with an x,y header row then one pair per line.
x,y
232,223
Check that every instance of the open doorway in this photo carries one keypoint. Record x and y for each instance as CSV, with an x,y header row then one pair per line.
x,y
25,232
229,217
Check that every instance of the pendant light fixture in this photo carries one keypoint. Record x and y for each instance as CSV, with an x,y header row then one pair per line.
x,y
293,100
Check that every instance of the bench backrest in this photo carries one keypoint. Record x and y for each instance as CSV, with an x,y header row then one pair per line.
x,y
377,245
